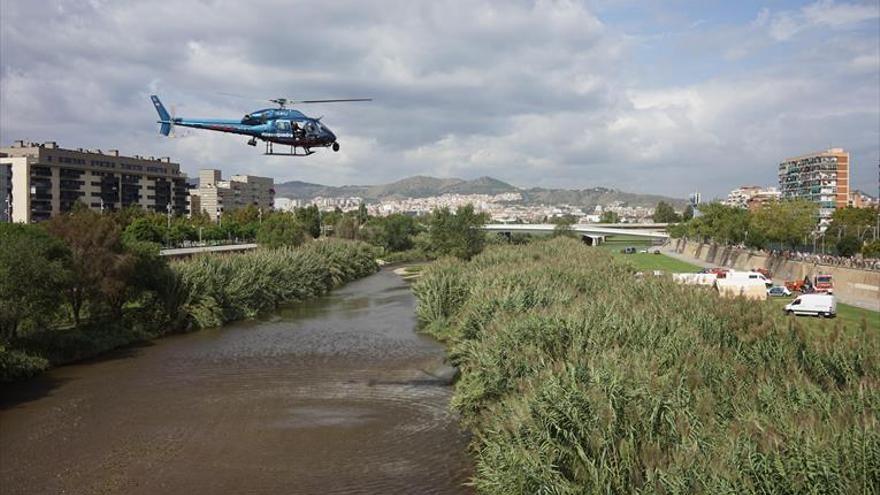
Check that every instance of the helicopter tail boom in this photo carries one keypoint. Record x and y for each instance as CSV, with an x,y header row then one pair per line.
x,y
164,116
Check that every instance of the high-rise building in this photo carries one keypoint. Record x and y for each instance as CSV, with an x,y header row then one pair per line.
x,y
215,196
5,190
821,177
48,180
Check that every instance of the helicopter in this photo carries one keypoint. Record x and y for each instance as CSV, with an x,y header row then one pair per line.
x,y
281,125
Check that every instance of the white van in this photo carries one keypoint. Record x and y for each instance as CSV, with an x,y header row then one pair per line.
x,y
813,304
737,275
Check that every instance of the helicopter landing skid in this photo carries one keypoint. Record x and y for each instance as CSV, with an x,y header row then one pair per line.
x,y
271,151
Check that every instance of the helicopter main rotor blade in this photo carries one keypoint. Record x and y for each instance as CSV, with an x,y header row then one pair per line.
x,y
333,101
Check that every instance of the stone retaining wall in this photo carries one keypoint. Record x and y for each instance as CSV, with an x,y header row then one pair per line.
x,y
851,286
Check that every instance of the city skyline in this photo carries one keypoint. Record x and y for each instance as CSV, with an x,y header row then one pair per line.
x,y
635,96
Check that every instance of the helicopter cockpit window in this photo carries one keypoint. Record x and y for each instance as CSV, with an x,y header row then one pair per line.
x,y
311,128
282,125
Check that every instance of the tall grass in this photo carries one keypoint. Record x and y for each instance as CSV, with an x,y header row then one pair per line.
x,y
216,289
206,291
578,377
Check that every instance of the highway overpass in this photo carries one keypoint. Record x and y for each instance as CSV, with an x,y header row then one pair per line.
x,y
590,232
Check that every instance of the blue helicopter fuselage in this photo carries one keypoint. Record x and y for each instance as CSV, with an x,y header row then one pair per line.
x,y
275,125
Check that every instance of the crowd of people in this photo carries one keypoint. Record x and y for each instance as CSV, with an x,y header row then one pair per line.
x,y
857,262
827,259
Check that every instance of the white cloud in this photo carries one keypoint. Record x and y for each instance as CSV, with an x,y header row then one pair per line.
x,y
540,93
823,13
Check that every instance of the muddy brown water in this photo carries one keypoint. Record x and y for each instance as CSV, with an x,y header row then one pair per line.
x,y
334,395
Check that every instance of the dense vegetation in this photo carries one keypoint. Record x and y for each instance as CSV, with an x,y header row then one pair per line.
x,y
578,377
79,285
786,224
86,282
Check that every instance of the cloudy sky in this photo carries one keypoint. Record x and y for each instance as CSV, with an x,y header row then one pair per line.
x,y
644,95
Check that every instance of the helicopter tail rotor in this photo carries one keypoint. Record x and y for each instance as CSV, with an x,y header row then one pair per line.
x,y
167,123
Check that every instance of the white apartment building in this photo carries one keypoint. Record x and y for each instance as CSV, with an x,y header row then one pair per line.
x,y
215,196
46,180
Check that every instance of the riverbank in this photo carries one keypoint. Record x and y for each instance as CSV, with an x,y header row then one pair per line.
x,y
859,288
202,292
577,376
336,395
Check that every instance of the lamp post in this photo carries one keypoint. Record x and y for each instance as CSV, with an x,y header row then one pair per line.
x,y
8,207
102,206
168,209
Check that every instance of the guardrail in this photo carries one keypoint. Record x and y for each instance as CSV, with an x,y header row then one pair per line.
x,y
223,248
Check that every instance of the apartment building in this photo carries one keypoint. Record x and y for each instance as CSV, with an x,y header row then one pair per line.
x,y
821,177
48,180
215,196
5,190
751,197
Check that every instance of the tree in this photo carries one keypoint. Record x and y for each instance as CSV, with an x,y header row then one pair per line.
x,y
143,229
848,245
852,221
664,213
457,234
362,214
128,214
346,227
871,249
245,215
688,213
99,265
786,222
394,232
718,222
310,218
32,269
563,230
609,216
281,229
563,226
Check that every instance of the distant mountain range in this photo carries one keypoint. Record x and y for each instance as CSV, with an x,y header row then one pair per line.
x,y
423,187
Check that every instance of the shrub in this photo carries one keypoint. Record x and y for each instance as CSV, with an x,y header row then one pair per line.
x,y
218,289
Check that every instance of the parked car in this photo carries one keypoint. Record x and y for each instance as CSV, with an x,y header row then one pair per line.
x,y
778,291
628,250
813,305
656,251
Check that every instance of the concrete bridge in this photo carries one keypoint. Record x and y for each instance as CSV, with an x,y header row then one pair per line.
x,y
190,251
590,233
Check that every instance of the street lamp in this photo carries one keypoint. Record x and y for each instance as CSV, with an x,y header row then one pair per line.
x,y
102,206
168,209
8,207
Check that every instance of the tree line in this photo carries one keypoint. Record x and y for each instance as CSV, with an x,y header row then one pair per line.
x,y
787,224
85,282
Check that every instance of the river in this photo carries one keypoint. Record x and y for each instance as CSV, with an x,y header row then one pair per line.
x,y
333,395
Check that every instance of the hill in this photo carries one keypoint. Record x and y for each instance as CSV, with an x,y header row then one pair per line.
x,y
423,186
